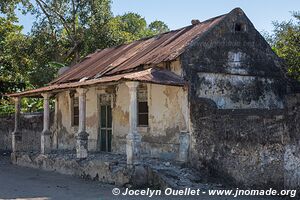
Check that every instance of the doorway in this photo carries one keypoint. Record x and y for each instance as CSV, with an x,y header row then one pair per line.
x,y
105,132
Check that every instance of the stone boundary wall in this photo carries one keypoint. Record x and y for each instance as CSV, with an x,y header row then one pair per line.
x,y
31,126
251,147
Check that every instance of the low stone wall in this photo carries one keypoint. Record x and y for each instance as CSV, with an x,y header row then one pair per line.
x,y
112,168
31,126
248,147
105,168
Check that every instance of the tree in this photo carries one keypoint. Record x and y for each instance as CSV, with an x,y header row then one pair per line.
x,y
286,43
158,27
131,26
64,32
14,61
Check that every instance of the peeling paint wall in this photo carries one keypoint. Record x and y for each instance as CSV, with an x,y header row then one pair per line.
x,y
242,129
65,131
168,115
236,70
230,91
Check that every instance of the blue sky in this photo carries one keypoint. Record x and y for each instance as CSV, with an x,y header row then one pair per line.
x,y
178,13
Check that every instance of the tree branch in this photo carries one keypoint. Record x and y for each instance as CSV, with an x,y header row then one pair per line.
x,y
64,23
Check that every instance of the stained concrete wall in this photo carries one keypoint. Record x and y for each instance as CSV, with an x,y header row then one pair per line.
x,y
64,131
250,147
168,115
230,91
236,70
31,127
242,123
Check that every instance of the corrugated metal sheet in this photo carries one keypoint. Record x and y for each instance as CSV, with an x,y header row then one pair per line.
x,y
118,63
154,50
152,75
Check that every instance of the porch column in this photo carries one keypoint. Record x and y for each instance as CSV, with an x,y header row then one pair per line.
x,y
46,134
133,137
82,135
16,134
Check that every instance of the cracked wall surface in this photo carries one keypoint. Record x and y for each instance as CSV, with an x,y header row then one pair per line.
x,y
168,115
241,125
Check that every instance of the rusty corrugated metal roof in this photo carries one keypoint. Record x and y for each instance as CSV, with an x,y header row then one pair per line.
x,y
151,75
150,51
119,63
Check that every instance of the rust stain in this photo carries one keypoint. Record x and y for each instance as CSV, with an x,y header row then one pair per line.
x,y
152,75
127,62
164,47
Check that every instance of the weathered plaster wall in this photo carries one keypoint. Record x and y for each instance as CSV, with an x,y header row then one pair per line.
x,y
251,147
292,149
168,115
65,132
31,127
237,70
231,91
241,124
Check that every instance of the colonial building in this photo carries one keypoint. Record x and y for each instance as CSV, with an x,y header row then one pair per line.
x,y
151,97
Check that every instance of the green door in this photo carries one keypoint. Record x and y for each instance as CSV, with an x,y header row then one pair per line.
x,y
105,133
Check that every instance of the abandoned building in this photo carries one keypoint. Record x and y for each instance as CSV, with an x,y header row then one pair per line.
x,y
213,95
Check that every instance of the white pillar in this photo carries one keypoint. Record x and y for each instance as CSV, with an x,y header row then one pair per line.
x,y
82,135
16,134
133,137
46,134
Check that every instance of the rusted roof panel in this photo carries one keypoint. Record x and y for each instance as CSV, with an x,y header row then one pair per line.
x,y
151,75
154,50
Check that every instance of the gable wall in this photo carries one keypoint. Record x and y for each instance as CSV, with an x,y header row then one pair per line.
x,y
241,124
235,70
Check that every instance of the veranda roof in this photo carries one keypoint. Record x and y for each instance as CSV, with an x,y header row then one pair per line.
x,y
151,75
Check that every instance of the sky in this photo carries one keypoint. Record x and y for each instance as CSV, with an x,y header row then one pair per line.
x,y
179,13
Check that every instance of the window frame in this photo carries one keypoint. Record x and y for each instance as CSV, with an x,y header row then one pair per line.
x,y
74,117
142,97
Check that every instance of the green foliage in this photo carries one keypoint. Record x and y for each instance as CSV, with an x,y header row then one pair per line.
x,y
64,32
158,27
14,61
286,43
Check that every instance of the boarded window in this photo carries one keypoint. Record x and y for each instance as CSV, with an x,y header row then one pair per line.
x,y
75,112
143,113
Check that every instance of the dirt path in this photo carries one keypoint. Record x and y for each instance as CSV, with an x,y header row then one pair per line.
x,y
25,183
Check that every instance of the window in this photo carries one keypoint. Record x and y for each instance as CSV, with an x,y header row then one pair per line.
x,y
143,114
75,111
239,27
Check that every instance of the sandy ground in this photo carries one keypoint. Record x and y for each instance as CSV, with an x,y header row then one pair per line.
x,y
25,183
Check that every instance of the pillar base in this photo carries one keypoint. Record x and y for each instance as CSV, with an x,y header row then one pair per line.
x,y
46,142
184,144
133,147
13,158
82,144
16,141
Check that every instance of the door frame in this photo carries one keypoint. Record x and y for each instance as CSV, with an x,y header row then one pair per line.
x,y
99,103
